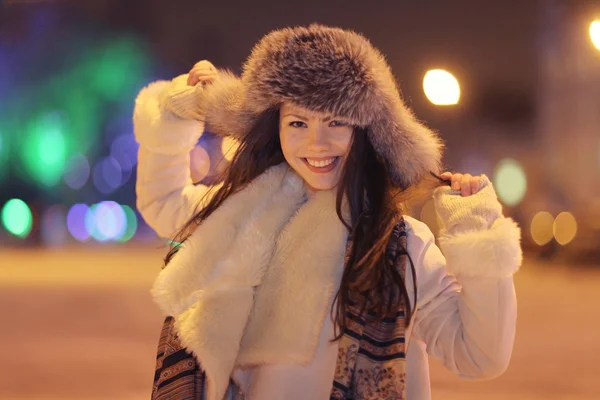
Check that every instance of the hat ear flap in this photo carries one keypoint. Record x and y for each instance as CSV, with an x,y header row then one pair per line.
x,y
223,106
410,149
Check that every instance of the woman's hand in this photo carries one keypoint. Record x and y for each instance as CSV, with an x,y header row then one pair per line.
x,y
459,211
466,183
202,72
180,97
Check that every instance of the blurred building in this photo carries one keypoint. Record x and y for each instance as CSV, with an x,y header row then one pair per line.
x,y
568,118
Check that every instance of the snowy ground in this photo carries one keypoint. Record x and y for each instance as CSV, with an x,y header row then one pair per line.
x,y
80,324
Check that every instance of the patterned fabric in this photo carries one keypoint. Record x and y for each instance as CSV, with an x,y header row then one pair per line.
x,y
177,374
371,355
370,364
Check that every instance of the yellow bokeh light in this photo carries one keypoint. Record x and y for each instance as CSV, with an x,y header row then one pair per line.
x,y
229,146
595,33
542,228
441,87
510,182
564,228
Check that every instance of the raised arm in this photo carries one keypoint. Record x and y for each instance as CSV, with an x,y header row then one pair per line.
x,y
167,127
466,310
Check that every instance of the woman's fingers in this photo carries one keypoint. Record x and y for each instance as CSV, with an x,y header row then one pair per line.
x,y
204,64
465,184
475,183
195,77
456,178
203,71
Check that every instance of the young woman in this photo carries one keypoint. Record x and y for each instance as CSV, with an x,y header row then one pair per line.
x,y
300,276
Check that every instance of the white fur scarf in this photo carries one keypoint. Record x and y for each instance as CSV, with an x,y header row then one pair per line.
x,y
253,284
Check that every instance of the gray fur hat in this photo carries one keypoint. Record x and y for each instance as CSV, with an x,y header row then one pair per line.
x,y
326,70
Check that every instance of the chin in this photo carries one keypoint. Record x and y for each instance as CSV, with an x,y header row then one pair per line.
x,y
320,184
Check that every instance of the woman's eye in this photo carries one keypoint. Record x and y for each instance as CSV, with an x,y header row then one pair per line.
x,y
337,123
297,124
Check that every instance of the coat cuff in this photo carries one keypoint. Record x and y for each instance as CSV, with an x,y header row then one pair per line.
x,y
490,253
160,131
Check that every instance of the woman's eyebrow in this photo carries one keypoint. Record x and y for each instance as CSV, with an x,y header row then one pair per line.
x,y
326,119
296,116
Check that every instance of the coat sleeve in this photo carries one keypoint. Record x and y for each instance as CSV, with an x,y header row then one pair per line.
x,y
466,303
166,196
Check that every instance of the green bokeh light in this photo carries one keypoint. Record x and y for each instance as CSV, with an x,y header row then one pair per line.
x,y
4,152
130,225
510,182
115,70
44,150
101,79
17,218
84,111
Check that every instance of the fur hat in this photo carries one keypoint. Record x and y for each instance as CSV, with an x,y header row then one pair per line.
x,y
326,70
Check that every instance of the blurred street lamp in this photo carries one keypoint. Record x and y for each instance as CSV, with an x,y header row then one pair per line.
x,y
564,228
595,33
441,87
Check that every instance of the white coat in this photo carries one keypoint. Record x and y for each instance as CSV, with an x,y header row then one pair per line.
x,y
466,309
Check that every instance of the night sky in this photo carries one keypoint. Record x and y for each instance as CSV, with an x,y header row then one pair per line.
x,y
488,45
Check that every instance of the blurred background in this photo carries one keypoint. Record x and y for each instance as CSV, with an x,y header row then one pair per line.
x,y
512,86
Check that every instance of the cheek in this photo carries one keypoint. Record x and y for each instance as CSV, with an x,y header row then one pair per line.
x,y
345,141
288,145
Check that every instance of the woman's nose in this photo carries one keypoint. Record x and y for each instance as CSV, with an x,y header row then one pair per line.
x,y
317,140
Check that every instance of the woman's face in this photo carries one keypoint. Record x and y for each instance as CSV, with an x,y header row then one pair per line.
x,y
315,145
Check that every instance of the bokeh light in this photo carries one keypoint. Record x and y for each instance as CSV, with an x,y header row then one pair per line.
x,y
114,70
4,153
107,175
110,220
124,149
564,228
105,221
53,227
510,182
101,76
83,108
76,222
441,87
595,33
17,218
90,224
44,149
131,224
542,228
77,172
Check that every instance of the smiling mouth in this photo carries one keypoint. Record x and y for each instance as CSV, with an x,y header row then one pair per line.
x,y
322,165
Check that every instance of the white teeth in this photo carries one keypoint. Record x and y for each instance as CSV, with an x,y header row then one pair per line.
x,y
320,164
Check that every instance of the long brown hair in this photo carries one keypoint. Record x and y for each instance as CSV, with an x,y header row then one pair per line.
x,y
369,280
